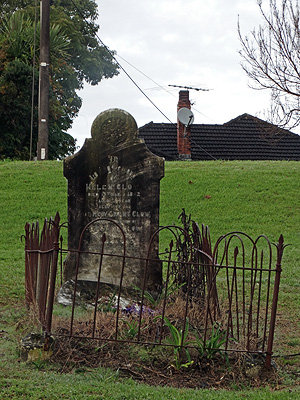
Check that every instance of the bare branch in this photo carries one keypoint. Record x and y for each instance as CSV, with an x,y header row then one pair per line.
x,y
271,58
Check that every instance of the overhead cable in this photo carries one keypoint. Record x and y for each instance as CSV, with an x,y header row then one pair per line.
x,y
133,81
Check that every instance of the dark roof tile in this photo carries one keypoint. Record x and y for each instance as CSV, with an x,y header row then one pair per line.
x,y
243,138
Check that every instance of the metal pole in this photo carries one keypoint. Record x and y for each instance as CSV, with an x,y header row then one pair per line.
x,y
280,247
43,126
51,295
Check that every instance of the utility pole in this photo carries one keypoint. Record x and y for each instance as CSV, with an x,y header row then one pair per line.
x,y
43,125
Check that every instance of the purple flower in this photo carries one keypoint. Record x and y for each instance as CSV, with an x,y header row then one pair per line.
x,y
135,309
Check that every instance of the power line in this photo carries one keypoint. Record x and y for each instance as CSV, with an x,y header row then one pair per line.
x,y
148,77
120,66
141,72
133,81
210,155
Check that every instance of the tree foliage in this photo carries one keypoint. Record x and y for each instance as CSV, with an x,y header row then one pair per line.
x,y
271,59
75,57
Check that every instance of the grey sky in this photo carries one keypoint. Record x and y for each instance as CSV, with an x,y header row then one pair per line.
x,y
179,42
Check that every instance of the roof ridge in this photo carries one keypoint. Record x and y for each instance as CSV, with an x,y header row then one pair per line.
x,y
240,117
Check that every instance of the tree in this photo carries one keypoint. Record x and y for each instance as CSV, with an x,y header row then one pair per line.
x,y
75,57
271,59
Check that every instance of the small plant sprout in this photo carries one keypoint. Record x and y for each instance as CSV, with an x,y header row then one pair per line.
x,y
178,339
154,302
109,304
132,328
40,362
212,346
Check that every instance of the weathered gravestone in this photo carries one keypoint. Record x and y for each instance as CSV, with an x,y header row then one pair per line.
x,y
114,177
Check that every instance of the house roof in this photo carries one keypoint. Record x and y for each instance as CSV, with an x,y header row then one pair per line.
x,y
243,138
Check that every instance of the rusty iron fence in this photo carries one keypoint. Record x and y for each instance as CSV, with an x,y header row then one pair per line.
x,y
42,249
230,288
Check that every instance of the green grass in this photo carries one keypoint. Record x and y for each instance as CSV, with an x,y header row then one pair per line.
x,y
255,197
28,192
100,384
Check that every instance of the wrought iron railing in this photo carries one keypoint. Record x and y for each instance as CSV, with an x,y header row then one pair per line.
x,y
233,286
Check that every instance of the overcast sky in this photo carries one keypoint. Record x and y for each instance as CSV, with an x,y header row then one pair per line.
x,y
174,42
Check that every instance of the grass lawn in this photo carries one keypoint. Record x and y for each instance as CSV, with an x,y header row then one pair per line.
x,y
254,197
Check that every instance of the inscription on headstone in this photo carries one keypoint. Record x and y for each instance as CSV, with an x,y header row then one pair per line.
x,y
116,178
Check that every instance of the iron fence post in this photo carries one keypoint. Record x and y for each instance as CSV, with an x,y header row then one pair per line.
x,y
28,280
280,248
50,302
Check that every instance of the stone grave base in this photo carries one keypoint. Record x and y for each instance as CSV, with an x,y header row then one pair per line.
x,y
86,293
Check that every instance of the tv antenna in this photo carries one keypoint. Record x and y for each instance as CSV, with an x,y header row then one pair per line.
x,y
190,87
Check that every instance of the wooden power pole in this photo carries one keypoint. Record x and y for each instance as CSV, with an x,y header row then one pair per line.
x,y
43,125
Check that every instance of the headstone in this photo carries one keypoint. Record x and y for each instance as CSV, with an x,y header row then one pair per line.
x,y
114,178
